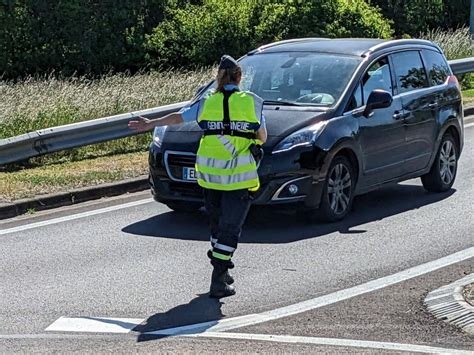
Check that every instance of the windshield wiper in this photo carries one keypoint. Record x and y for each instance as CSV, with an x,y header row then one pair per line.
x,y
282,103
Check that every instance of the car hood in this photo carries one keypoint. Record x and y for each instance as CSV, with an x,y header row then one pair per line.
x,y
280,122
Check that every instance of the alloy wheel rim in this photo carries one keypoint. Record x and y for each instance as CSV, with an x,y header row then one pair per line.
x,y
339,188
447,162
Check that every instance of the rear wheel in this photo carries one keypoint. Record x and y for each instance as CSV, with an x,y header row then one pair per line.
x,y
183,206
338,191
443,172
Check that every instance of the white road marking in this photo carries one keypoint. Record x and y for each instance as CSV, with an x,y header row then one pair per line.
x,y
341,295
234,323
469,125
94,324
74,216
352,343
91,213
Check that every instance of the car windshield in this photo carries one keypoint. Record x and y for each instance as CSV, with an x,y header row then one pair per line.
x,y
297,78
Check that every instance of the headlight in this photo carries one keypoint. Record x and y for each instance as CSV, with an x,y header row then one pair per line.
x,y
158,134
303,138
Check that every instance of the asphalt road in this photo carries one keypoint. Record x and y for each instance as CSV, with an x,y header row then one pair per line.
x,y
146,262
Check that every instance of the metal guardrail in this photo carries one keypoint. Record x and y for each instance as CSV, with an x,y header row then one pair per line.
x,y
462,66
74,135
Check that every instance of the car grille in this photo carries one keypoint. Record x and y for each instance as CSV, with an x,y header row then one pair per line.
x,y
176,161
191,190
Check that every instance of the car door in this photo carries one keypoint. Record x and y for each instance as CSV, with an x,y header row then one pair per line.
x,y
382,135
420,105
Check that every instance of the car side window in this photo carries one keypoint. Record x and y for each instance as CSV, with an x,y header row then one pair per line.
x,y
436,66
409,71
377,77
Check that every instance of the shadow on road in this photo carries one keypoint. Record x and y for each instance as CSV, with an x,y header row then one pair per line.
x,y
201,309
272,225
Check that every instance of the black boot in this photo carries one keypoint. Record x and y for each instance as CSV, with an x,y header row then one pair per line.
x,y
229,280
219,287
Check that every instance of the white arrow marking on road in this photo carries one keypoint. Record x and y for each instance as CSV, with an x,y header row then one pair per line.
x,y
94,324
251,319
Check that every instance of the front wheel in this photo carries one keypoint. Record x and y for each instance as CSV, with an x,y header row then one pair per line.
x,y
338,191
443,172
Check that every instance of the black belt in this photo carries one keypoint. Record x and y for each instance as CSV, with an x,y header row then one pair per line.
x,y
230,132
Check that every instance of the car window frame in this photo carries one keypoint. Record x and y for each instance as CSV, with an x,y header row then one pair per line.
x,y
426,68
394,73
359,80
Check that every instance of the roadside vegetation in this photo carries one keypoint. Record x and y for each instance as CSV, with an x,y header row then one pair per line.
x,y
70,175
40,102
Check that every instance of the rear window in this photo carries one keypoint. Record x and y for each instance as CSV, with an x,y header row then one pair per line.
x,y
409,71
436,66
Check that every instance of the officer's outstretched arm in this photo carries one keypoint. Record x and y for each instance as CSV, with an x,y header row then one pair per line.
x,y
262,134
143,124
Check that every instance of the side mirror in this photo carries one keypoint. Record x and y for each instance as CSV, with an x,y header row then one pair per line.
x,y
377,99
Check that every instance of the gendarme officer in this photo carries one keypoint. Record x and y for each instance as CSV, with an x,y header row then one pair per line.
x,y
226,162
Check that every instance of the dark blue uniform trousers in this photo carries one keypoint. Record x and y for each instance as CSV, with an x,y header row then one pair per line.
x,y
227,212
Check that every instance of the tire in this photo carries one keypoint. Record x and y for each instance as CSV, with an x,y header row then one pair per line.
x,y
443,172
183,206
338,191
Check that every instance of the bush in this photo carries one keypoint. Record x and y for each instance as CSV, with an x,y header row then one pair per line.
x,y
75,36
414,16
199,34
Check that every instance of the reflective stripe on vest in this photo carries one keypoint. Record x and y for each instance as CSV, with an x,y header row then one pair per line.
x,y
228,145
224,162
228,179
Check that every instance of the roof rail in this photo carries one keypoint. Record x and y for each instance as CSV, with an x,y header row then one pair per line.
x,y
388,44
274,44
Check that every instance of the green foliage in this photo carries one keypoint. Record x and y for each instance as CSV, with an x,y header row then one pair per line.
x,y
94,37
75,36
415,16
199,34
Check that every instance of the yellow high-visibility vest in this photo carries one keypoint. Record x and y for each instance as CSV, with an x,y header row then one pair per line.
x,y
224,161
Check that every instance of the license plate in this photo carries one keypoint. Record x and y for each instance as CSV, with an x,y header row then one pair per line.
x,y
189,174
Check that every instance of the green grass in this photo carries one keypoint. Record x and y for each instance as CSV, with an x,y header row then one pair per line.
x,y
66,176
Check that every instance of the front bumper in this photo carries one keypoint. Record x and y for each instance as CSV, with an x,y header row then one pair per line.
x,y
283,179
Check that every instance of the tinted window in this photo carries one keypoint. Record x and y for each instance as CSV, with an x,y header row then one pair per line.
x,y
377,77
436,67
409,71
301,77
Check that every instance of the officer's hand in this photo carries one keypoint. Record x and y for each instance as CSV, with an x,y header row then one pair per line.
x,y
142,124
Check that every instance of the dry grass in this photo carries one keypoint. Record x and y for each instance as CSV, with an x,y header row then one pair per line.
x,y
455,44
38,103
64,177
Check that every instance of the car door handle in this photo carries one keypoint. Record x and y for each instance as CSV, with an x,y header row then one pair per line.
x,y
397,115
433,105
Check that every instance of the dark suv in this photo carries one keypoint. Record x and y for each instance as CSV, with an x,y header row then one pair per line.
x,y
344,116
